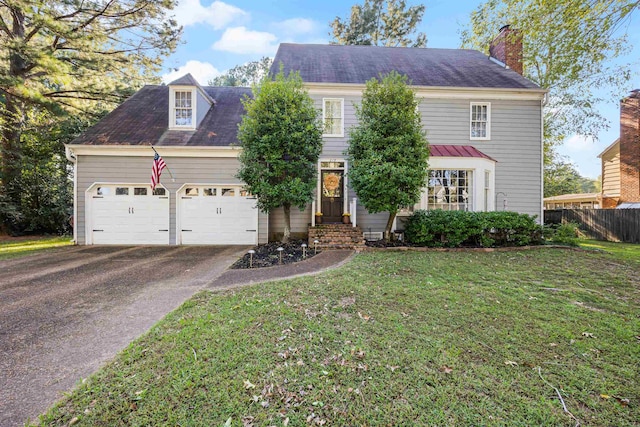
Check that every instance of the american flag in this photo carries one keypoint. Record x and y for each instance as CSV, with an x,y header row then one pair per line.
x,y
156,170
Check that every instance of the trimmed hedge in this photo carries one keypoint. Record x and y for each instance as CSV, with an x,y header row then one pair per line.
x,y
438,228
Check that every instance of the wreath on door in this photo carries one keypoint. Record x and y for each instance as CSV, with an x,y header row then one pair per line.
x,y
331,181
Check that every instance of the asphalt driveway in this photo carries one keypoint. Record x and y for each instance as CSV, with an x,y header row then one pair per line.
x,y
64,313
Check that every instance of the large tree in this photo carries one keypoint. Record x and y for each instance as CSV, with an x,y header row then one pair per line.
x,y
570,47
380,23
281,137
245,75
388,150
74,56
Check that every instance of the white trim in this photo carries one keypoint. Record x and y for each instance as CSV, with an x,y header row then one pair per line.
x,y
352,89
74,160
145,150
480,138
333,135
541,216
172,107
88,206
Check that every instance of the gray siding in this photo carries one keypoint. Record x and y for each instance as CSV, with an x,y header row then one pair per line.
x,y
300,221
186,170
515,144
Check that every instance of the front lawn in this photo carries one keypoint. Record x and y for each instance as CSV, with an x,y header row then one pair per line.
x,y
408,338
12,247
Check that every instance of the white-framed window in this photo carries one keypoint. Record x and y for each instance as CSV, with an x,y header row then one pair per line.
x,y
480,121
333,116
450,190
182,112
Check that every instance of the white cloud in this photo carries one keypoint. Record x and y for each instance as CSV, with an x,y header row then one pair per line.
x,y
241,40
218,14
201,71
579,143
296,26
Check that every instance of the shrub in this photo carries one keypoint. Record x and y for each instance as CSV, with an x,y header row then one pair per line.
x,y
563,234
438,228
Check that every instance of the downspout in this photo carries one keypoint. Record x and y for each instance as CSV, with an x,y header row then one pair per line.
x,y
73,159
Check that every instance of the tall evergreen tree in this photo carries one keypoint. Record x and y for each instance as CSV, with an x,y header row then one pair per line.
x,y
388,150
380,23
281,137
74,56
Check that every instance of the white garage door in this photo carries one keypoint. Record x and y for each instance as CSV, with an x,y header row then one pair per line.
x,y
217,215
128,215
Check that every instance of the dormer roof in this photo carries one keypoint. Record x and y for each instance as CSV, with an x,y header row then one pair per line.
x,y
189,80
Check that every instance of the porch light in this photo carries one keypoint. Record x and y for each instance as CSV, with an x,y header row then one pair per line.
x,y
251,252
280,249
304,250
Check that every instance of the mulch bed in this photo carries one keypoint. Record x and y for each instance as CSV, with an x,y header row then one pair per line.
x,y
267,255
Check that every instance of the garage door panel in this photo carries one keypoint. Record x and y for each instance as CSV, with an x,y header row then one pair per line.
x,y
129,219
218,220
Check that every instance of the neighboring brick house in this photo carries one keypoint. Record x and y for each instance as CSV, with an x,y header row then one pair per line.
x,y
483,122
621,160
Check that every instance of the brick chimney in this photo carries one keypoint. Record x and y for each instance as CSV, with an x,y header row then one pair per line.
x,y
630,148
506,47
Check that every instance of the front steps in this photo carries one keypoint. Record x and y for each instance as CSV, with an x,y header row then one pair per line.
x,y
337,236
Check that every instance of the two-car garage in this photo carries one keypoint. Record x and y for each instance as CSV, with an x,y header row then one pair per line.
x,y
206,214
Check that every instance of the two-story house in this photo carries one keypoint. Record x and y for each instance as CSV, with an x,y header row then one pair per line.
x,y
483,121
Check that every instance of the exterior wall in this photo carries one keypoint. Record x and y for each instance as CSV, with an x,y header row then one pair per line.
x,y
186,170
630,148
611,172
202,107
515,144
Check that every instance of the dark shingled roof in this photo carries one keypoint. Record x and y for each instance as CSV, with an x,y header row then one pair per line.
x,y
424,67
143,120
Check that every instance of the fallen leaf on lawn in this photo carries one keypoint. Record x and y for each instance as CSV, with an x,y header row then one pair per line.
x,y
510,363
446,369
393,368
364,316
248,384
74,420
588,335
285,423
228,422
553,344
605,396
623,401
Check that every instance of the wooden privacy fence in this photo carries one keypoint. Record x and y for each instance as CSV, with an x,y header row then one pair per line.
x,y
615,225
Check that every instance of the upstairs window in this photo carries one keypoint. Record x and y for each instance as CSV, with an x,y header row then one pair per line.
x,y
333,116
480,121
183,109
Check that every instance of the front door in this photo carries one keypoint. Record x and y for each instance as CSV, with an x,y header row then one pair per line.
x,y
332,195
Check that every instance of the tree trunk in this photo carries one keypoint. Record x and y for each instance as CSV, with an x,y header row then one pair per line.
x,y
387,230
11,117
287,222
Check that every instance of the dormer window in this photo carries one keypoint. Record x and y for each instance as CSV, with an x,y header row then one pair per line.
x,y
183,109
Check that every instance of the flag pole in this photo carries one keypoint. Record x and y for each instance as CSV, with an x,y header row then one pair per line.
x,y
173,179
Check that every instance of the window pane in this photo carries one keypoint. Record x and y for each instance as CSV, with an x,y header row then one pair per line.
x,y
449,189
183,117
183,99
139,191
191,191
103,191
159,191
209,191
228,192
122,191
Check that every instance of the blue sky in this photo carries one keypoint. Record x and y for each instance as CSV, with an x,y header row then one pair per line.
x,y
221,34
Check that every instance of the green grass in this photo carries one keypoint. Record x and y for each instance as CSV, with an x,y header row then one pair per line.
x,y
404,338
12,248
623,251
